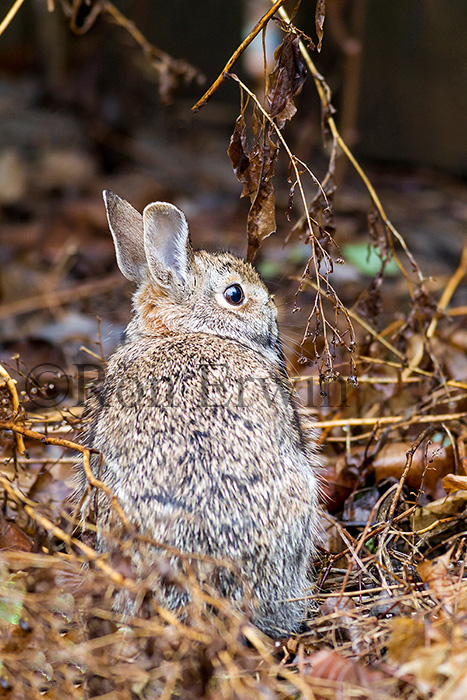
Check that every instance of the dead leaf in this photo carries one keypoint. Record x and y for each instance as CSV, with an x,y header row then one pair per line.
x,y
239,154
261,221
320,16
453,482
340,478
431,651
286,80
442,509
346,676
434,462
255,169
13,537
434,573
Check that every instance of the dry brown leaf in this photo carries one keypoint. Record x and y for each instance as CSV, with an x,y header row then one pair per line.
x,y
255,169
431,651
13,537
437,459
320,15
345,676
340,477
434,573
239,154
450,506
286,80
453,482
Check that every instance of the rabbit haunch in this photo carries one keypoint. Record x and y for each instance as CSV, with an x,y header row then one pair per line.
x,y
199,432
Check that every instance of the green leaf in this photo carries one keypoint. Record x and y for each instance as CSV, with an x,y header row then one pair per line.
x,y
367,260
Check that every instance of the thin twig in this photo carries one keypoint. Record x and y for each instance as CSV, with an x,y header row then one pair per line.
x,y
446,296
362,322
237,53
390,420
48,525
325,98
16,406
10,14
424,373
294,162
85,451
408,463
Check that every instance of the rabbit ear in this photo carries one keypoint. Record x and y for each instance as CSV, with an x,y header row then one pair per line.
x,y
126,226
167,243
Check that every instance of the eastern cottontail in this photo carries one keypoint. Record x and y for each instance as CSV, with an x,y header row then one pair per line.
x,y
200,434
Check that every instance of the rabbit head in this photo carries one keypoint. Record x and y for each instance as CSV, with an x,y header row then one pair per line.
x,y
183,290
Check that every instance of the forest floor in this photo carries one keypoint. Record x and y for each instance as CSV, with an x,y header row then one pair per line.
x,y
391,595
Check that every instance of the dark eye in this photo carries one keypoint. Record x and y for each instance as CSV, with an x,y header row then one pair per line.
x,y
234,294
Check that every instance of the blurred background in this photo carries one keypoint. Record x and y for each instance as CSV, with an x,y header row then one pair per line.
x,y
98,95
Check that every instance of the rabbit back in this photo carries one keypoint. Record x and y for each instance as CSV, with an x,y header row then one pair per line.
x,y
206,450
196,428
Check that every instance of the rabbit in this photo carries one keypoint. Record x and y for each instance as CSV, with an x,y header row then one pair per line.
x,y
200,434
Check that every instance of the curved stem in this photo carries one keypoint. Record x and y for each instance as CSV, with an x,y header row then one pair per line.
x,y
237,53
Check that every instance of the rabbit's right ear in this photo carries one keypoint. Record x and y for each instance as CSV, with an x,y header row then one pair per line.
x,y
167,242
126,227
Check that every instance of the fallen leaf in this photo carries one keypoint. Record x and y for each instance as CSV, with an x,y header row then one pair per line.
x,y
346,676
443,508
434,463
453,482
13,537
434,572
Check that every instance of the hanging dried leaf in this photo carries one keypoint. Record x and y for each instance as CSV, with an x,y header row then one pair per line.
x,y
286,80
320,16
239,154
255,169
261,220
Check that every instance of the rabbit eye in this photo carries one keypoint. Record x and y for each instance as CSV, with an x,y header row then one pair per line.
x,y
234,294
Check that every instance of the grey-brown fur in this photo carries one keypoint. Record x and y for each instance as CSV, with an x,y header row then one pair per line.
x,y
201,438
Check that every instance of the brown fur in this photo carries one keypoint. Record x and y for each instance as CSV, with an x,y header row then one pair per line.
x,y
201,436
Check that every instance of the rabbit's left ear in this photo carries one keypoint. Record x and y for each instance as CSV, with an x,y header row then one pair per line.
x,y
126,226
167,243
